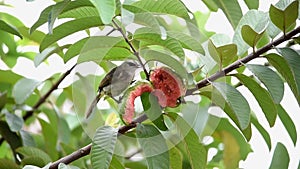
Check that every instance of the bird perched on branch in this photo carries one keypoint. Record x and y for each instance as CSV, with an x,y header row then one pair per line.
x,y
115,82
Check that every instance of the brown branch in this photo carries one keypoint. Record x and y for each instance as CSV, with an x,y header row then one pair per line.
x,y
86,150
135,52
44,98
244,60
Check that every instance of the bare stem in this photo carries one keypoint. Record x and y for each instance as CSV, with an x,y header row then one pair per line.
x,y
86,150
244,60
44,98
135,52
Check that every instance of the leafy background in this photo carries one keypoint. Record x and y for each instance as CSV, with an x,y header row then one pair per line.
x,y
260,149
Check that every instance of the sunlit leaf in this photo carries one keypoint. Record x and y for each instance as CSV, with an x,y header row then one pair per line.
x,y
283,19
103,147
175,158
173,7
69,28
262,96
270,79
8,28
23,89
96,48
250,36
257,20
236,101
106,9
281,158
252,4
55,11
151,37
41,57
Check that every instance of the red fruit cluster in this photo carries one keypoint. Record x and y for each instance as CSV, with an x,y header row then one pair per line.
x,y
170,85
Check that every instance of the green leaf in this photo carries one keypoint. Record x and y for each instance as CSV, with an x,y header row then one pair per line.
x,y
50,137
231,9
34,155
3,99
153,110
250,36
12,138
27,139
280,158
8,28
187,41
244,146
211,5
151,37
217,99
23,89
172,7
8,164
201,19
103,146
236,101
44,16
284,19
270,79
152,55
175,158
154,146
41,57
69,28
257,20
106,9
142,17
116,164
293,60
288,123
55,11
80,12
196,153
252,4
14,122
262,96
96,48
262,131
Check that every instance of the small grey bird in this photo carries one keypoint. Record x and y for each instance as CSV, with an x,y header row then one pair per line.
x,y
115,82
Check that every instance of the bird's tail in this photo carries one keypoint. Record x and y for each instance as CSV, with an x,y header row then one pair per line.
x,y
93,105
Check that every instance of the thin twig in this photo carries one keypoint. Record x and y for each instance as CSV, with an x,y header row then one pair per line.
x,y
86,150
135,52
110,32
44,98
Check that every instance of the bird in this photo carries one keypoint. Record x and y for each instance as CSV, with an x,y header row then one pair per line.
x,y
114,82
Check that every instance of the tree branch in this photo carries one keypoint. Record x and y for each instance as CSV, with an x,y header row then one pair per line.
x,y
135,52
86,150
244,60
44,98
